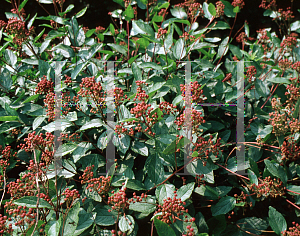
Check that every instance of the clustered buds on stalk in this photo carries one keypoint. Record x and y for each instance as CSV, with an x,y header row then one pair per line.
x,y
292,231
171,209
118,200
189,228
101,185
204,148
70,196
290,150
268,188
38,142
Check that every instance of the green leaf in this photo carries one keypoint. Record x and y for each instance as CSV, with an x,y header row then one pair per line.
x,y
276,221
207,13
129,13
171,148
225,205
10,57
247,31
31,201
279,80
179,50
66,148
124,224
72,220
164,191
223,48
293,188
63,124
84,222
140,27
217,224
65,50
22,5
253,225
31,98
81,13
212,9
145,206
140,148
105,218
93,194
295,25
271,168
155,168
228,10
123,143
37,121
163,228
8,118
137,72
95,123
178,12
296,112
236,9
81,150
261,88
5,79
53,227
207,191
252,177
118,48
185,191
46,1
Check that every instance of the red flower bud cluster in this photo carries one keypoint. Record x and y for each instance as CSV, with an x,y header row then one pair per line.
x,y
118,200
23,217
171,209
196,92
198,179
242,198
285,15
18,30
290,150
70,196
267,4
219,9
101,185
268,188
187,37
296,66
250,73
293,95
161,32
92,90
194,9
38,142
289,42
7,155
284,64
204,148
189,228
292,231
3,226
44,86
238,3
99,29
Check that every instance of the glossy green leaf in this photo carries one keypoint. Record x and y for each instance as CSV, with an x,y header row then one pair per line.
x,y
225,205
163,229
277,221
31,202
71,220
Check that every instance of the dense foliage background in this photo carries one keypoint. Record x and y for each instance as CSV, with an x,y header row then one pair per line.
x,y
150,186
